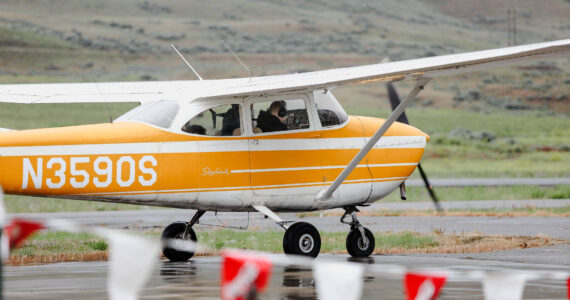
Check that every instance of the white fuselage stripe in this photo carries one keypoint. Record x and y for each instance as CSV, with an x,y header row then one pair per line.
x,y
242,187
229,145
321,167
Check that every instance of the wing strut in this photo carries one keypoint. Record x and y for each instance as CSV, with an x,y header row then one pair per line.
x,y
327,194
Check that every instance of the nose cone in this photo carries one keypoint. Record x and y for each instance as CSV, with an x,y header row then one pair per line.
x,y
402,129
371,125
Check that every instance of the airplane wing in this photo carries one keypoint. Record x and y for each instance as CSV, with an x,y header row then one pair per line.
x,y
430,67
140,91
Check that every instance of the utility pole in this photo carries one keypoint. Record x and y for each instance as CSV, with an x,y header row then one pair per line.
x,y
509,26
512,24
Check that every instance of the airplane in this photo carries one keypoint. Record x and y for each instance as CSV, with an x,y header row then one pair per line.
x,y
267,144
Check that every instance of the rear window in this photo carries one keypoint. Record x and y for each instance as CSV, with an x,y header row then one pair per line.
x,y
160,113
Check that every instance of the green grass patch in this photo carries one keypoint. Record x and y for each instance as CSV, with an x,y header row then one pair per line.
x,y
30,116
49,242
503,124
517,192
27,204
524,211
330,242
405,240
449,164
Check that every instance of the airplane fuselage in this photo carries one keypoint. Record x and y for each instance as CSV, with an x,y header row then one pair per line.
x,y
130,162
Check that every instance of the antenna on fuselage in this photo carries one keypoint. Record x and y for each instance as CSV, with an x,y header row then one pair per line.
x,y
237,58
187,63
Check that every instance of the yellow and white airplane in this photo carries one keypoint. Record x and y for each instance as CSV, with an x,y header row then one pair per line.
x,y
267,144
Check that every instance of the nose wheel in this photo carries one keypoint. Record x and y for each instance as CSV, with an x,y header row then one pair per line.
x,y
302,238
360,241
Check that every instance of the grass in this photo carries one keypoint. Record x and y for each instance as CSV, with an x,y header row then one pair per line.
x,y
51,247
26,204
518,192
527,211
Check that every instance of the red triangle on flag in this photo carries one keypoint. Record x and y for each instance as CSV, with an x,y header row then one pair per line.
x,y
18,230
243,273
422,286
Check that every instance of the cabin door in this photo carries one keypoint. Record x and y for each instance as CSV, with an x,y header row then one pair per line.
x,y
283,147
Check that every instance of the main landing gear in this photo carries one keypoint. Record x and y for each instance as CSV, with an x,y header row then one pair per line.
x,y
360,241
179,231
300,238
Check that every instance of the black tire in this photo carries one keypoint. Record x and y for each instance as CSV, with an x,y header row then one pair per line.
x,y
302,239
355,245
175,231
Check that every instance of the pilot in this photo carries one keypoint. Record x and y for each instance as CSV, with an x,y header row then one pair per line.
x,y
231,120
274,119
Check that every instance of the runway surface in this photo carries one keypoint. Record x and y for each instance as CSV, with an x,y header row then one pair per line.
x,y
199,279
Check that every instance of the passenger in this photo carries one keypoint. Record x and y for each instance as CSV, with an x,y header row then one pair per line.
x,y
231,120
274,119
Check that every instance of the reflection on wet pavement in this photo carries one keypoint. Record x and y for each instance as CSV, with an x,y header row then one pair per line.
x,y
200,278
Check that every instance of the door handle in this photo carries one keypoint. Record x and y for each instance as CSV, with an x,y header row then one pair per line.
x,y
255,142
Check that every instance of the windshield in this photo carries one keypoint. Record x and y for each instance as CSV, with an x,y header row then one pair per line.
x,y
159,113
329,110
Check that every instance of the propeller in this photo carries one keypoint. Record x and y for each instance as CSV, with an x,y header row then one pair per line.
x,y
394,102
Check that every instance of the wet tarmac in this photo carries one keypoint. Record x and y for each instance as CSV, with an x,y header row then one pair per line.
x,y
199,279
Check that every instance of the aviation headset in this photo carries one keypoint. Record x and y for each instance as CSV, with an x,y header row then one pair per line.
x,y
283,110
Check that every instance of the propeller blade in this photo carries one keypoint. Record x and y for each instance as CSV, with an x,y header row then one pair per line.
x,y
395,101
430,189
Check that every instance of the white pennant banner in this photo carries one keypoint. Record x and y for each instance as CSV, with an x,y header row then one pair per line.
x,y
131,260
342,281
504,286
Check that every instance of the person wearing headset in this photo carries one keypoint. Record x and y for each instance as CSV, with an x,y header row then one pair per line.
x,y
274,119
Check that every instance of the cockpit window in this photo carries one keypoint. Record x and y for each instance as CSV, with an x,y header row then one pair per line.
x,y
222,120
279,115
329,110
159,113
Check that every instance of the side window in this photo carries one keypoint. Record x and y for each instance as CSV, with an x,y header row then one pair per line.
x,y
223,120
329,110
279,115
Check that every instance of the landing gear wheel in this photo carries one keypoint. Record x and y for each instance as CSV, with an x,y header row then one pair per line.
x,y
302,238
176,231
358,247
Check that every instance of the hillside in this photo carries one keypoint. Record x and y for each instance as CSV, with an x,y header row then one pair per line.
x,y
66,40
